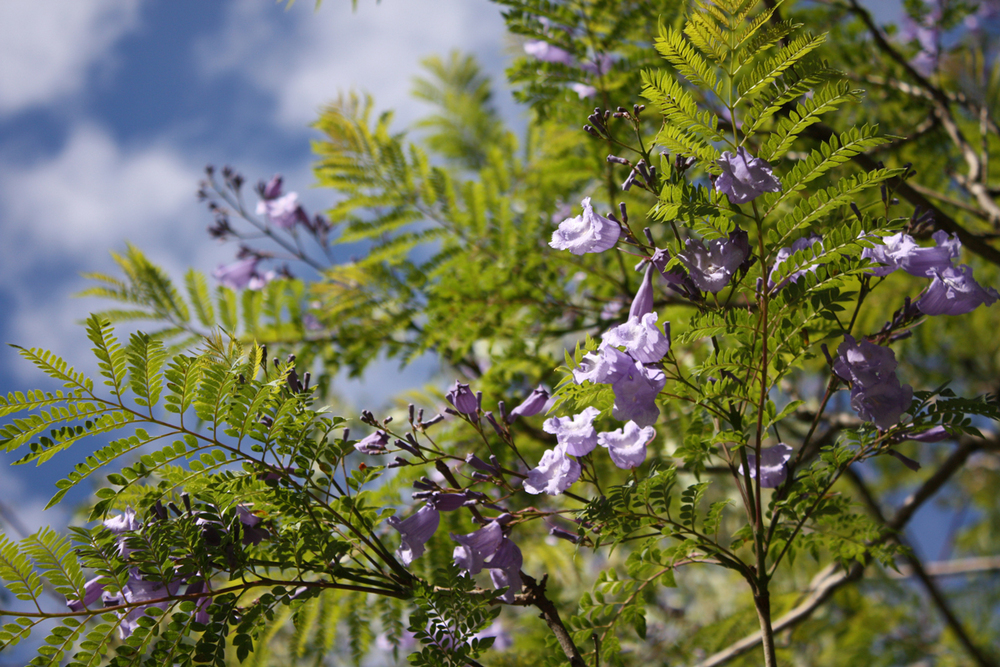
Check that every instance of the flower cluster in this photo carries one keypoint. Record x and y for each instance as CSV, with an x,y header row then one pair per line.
x,y
870,369
587,232
744,177
139,591
953,290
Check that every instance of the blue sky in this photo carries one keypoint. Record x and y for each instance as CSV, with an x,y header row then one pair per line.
x,y
110,109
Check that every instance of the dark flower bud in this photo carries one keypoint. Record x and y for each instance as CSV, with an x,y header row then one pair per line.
x,y
481,465
424,484
463,399
307,378
905,460
433,420
209,169
493,422
405,447
420,495
623,211
447,502
186,499
411,409
480,477
293,382
387,419
347,434
398,463
627,185
271,189
564,535
618,160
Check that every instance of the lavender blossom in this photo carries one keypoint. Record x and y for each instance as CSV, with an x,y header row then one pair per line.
x,y
642,339
271,189
635,395
477,547
463,399
576,433
555,473
583,90
120,526
900,251
541,50
953,291
782,256
627,446
238,274
587,232
92,591
643,301
283,211
505,569
605,366
138,590
876,394
531,406
414,532
201,607
933,434
713,267
249,522
745,177
773,465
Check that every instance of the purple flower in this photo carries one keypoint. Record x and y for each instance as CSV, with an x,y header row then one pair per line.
x,y
635,395
545,52
604,366
643,301
92,591
577,433
587,232
283,211
414,532
531,406
373,444
201,608
601,64
953,291
555,473
745,177
773,465
448,502
238,274
876,394
627,446
900,251
271,189
478,546
782,256
251,533
120,526
583,90
138,590
642,339
883,402
712,268
864,362
505,569
463,399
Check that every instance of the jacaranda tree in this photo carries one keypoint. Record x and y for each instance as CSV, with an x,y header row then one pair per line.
x,y
719,324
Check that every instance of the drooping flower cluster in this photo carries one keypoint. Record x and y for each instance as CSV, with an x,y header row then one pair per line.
x,y
953,290
876,394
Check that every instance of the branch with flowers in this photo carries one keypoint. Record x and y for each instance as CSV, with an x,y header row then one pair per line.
x,y
725,263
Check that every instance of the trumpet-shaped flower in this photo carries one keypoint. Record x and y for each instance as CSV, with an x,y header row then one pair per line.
x,y
463,399
555,473
745,177
953,291
605,366
477,547
587,232
876,394
627,446
531,406
711,267
635,395
641,338
576,433
900,251
505,569
414,532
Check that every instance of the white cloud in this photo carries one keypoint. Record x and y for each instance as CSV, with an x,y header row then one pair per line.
x,y
48,46
93,195
375,49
